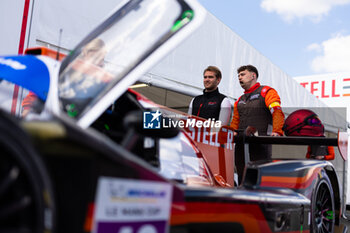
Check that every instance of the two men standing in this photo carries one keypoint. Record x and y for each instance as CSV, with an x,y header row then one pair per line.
x,y
259,107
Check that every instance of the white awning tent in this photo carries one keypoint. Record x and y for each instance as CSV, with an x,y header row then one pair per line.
x,y
213,44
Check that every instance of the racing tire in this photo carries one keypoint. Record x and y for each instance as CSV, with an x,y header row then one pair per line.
x,y
26,196
322,206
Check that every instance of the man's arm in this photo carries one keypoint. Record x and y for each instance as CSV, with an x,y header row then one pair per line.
x,y
235,118
190,107
225,111
273,103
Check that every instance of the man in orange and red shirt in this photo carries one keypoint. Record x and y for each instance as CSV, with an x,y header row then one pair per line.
x,y
259,107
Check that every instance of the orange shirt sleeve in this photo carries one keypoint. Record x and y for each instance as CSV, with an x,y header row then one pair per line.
x,y
273,103
235,118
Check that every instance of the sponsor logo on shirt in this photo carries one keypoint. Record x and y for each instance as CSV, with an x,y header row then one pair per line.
x,y
253,97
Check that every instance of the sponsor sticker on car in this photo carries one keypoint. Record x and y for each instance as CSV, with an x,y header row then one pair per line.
x,y
132,206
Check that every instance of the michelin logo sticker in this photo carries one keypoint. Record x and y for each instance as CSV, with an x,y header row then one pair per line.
x,y
132,206
152,120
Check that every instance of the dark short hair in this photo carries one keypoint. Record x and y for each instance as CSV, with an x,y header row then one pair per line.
x,y
213,69
250,68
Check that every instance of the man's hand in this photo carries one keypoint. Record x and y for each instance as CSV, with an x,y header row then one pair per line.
x,y
274,134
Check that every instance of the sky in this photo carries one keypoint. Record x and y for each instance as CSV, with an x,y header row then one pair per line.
x,y
302,37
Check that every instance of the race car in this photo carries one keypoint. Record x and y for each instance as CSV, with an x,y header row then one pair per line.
x,y
95,156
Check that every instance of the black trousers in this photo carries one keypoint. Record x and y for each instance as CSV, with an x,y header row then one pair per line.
x,y
257,152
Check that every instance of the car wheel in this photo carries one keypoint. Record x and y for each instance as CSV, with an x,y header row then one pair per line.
x,y
26,197
322,207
